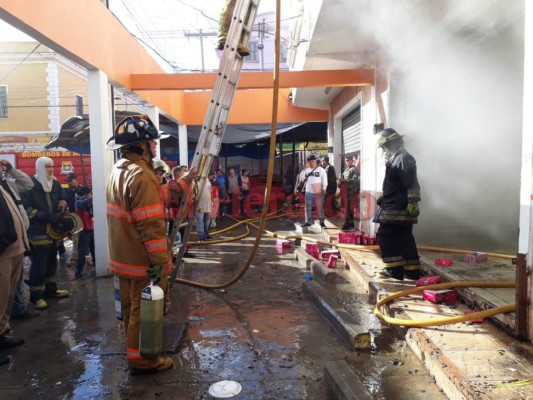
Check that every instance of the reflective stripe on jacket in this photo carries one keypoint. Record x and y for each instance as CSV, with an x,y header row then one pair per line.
x,y
137,228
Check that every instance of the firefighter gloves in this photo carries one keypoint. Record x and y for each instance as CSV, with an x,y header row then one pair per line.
x,y
413,210
155,273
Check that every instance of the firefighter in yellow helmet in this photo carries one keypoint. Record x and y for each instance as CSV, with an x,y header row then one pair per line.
x,y
138,246
398,209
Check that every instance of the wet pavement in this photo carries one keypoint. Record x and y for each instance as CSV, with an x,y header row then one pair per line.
x,y
261,332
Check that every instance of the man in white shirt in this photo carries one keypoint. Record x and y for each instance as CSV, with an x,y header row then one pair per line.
x,y
315,189
203,212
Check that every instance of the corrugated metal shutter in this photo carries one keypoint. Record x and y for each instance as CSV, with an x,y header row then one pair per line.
x,y
351,132
243,163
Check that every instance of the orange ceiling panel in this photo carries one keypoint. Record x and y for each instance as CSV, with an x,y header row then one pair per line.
x,y
255,80
251,107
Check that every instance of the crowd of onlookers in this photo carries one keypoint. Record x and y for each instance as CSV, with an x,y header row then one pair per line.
x,y
37,215
222,194
322,190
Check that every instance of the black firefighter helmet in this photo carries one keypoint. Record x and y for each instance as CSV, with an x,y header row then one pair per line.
x,y
388,135
132,130
67,224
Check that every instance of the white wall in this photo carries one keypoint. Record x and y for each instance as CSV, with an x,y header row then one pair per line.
x,y
459,103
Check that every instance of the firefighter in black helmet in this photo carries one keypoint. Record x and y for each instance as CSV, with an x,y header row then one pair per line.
x,y
138,246
398,209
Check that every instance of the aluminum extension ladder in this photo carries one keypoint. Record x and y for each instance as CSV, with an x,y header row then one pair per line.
x,y
214,125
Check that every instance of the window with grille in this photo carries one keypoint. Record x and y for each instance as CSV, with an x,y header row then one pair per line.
x,y
283,53
3,101
79,105
254,52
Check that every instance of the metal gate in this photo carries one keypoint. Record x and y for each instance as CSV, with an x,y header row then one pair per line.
x,y
351,132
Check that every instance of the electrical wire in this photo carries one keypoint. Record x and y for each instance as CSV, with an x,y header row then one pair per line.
x,y
19,64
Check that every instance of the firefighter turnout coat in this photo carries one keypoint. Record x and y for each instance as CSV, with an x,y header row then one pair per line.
x,y
400,187
39,205
137,228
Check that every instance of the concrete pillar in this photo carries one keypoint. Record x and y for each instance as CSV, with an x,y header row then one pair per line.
x,y
524,278
182,141
153,114
101,162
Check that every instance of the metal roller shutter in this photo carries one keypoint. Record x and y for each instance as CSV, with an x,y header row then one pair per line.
x,y
351,132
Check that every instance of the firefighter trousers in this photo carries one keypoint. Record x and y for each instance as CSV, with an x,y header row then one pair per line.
x,y
42,280
398,247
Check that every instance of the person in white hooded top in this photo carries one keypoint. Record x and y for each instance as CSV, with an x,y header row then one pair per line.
x,y
43,204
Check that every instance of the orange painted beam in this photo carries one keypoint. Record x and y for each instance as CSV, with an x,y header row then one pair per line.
x,y
255,80
252,107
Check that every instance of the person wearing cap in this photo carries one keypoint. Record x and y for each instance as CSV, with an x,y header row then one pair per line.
x,y
139,251
70,197
398,209
329,203
316,182
84,208
45,205
349,181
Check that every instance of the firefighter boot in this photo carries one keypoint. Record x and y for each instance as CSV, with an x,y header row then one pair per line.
x,y
346,225
394,273
412,273
36,297
158,365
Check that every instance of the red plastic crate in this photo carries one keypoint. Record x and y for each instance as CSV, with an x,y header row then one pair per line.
x,y
313,249
332,262
325,254
477,320
283,243
368,240
443,262
476,258
440,296
347,237
429,280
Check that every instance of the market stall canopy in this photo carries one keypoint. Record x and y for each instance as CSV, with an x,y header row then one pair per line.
x,y
75,134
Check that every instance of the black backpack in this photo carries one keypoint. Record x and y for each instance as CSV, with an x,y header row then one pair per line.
x,y
8,234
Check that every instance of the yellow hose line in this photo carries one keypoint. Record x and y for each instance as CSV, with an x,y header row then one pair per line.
x,y
445,320
227,240
457,251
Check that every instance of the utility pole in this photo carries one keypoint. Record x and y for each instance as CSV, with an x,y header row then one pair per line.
x,y
201,35
261,31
